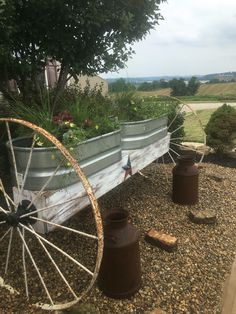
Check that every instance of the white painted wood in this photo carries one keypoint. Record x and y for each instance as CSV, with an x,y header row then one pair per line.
x,y
102,182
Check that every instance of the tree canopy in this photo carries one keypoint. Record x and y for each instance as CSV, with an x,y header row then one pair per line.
x,y
86,37
181,88
121,85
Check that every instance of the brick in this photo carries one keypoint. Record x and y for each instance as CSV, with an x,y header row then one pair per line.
x,y
162,240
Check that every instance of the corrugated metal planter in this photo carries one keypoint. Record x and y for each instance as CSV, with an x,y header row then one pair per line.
x,y
138,134
93,155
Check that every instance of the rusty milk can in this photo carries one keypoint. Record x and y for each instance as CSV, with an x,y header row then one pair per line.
x,y
120,272
185,181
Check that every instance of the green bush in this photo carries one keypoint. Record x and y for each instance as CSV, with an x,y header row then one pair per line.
x,y
221,129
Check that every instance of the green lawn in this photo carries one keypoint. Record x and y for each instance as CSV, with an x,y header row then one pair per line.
x,y
192,128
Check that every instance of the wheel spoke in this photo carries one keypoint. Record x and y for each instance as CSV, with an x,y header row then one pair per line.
x,y
55,265
8,251
171,158
58,249
165,170
50,206
28,165
44,186
189,114
183,146
13,156
7,197
174,151
181,126
5,234
24,266
3,210
177,138
177,113
34,264
65,228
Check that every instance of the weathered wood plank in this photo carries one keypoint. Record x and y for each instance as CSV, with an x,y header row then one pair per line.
x,y
102,182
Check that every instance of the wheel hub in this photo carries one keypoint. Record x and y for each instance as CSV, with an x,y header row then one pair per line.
x,y
14,218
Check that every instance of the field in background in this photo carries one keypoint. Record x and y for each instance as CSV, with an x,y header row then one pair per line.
x,y
212,92
222,89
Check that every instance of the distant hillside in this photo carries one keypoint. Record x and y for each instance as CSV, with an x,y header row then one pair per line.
x,y
139,80
225,76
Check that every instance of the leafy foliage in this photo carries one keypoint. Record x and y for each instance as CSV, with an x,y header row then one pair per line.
x,y
193,86
151,86
86,37
131,107
121,85
164,105
81,115
221,129
180,88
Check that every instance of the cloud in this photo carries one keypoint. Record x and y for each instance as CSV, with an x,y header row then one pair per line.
x,y
195,37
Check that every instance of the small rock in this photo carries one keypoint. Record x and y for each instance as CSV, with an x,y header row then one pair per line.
x,y
206,216
216,177
162,240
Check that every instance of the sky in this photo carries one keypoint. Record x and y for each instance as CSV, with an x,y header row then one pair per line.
x,y
196,37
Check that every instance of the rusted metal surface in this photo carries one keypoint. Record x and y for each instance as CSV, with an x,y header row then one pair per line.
x,y
92,198
120,272
185,181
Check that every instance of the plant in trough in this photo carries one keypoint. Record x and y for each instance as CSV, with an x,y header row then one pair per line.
x,y
82,115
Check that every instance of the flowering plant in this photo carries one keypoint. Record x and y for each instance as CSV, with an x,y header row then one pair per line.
x,y
80,117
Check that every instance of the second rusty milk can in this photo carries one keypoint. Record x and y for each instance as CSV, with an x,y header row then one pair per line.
x,y
120,271
185,181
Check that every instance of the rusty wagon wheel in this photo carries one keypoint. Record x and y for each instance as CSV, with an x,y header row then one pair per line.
x,y
48,270
180,142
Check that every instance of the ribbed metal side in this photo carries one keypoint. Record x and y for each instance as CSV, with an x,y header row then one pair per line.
x,y
93,155
138,134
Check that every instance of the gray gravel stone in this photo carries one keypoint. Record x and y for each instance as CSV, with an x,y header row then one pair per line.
x,y
189,280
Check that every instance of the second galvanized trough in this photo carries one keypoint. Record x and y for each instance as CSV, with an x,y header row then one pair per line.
x,y
139,134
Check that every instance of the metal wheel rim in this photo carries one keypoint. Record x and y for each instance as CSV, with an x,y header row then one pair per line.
x,y
94,205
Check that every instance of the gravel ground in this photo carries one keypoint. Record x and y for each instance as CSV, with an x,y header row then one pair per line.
x,y
189,280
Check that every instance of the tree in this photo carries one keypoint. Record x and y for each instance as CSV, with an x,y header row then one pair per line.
x,y
121,85
178,86
86,37
145,86
193,86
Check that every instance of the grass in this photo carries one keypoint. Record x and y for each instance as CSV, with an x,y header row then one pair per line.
x,y
192,128
219,89
160,92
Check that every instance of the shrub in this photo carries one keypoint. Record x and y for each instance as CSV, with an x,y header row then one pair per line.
x,y
221,129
